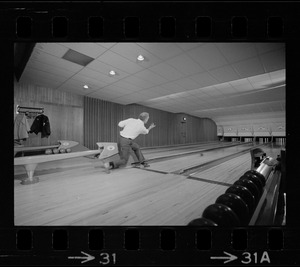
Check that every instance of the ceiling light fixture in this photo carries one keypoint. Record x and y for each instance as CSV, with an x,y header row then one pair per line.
x,y
112,73
86,86
140,58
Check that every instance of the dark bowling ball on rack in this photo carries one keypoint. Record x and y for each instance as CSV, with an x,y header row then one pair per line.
x,y
245,195
255,180
68,150
202,222
259,175
251,186
237,204
221,215
55,151
62,150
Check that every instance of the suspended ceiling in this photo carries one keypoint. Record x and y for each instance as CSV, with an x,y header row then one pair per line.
x,y
212,80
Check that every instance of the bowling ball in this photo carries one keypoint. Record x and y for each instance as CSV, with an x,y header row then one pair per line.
x,y
62,150
259,175
68,150
237,204
202,222
251,186
221,215
255,180
48,151
55,151
245,195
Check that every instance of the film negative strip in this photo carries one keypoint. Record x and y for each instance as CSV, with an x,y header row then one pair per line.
x,y
202,242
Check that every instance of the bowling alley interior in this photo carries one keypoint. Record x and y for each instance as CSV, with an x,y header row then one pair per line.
x,y
216,156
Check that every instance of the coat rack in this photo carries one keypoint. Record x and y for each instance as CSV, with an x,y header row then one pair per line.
x,y
29,111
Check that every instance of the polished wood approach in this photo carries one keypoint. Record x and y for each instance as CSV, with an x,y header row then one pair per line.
x,y
73,192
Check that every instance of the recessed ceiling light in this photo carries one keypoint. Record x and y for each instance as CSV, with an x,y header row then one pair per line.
x,y
86,86
112,73
140,58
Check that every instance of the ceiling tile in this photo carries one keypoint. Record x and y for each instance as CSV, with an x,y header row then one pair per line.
x,y
159,89
224,74
243,87
151,77
278,76
274,60
267,47
101,77
131,51
249,67
138,82
106,45
166,71
211,91
54,61
235,52
185,64
128,86
151,94
28,78
92,83
105,69
49,68
116,61
189,46
208,56
204,79
225,88
54,49
259,78
163,51
90,49
45,75
187,84
75,87
173,87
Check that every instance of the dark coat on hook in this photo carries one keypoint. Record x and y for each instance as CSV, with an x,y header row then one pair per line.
x,y
41,124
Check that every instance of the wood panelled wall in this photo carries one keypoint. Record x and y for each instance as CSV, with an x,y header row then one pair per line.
x,y
165,131
101,120
64,110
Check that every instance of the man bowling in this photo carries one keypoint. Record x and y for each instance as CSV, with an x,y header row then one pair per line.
x,y
132,128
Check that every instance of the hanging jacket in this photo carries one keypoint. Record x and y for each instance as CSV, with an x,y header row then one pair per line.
x,y
41,124
21,127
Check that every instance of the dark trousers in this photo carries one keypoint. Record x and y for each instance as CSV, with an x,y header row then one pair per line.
x,y
124,146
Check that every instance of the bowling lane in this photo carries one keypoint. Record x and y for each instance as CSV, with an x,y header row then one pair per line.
x,y
225,173
187,161
173,149
231,170
169,204
137,198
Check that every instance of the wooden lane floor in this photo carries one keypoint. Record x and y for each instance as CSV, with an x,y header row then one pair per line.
x,y
88,196
225,173
175,164
188,147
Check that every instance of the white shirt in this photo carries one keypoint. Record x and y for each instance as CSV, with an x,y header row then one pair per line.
x,y
132,128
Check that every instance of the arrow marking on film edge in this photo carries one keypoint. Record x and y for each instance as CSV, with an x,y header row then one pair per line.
x,y
87,258
229,258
